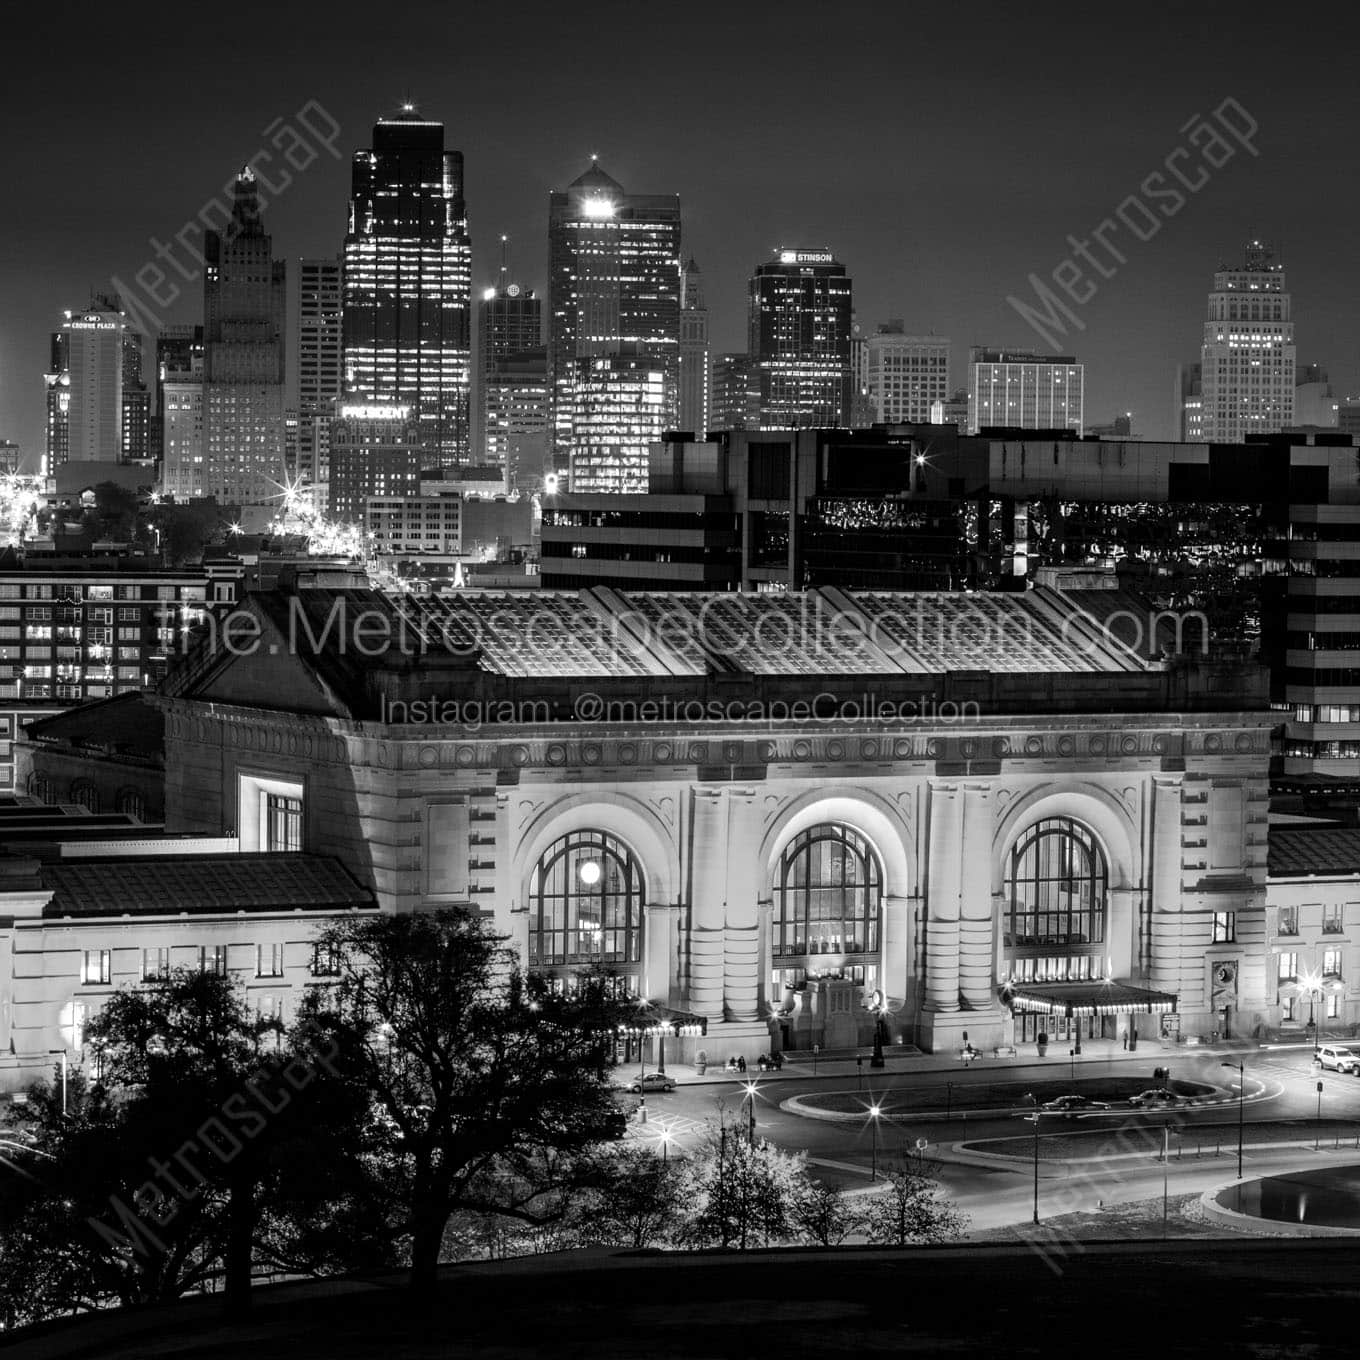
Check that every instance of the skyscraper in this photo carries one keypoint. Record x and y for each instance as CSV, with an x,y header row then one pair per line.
x,y
318,366
800,326
85,386
407,283
135,439
695,407
1248,355
1189,423
1016,389
618,412
179,410
614,281
244,300
905,374
509,346
735,393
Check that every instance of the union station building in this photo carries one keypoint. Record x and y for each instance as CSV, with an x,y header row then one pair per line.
x,y
782,820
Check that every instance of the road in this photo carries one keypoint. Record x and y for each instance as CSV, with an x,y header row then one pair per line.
x,y
1280,1084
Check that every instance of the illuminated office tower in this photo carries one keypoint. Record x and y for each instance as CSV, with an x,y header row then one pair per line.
x,y
509,347
613,288
244,298
135,437
618,412
318,367
179,410
515,415
734,393
374,452
1248,356
85,386
407,283
1015,389
694,410
905,374
800,327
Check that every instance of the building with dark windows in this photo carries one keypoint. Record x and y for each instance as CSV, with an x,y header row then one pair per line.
x,y
408,283
244,306
512,383
85,385
799,327
735,394
319,367
694,409
613,286
1087,853
1020,390
375,451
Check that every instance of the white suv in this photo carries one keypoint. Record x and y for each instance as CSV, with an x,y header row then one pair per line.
x,y
1338,1058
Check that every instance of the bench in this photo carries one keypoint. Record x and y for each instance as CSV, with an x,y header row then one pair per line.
x,y
1005,1051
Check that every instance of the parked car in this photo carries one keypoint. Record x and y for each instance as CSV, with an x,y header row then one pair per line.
x,y
1159,1095
653,1081
1072,1106
1337,1058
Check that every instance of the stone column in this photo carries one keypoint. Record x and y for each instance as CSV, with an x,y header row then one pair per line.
x,y
708,885
942,897
657,953
741,938
975,899
896,944
1166,882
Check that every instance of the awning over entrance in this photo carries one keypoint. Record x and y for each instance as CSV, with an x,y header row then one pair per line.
x,y
653,1019
1086,998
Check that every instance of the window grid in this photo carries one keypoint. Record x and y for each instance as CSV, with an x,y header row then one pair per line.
x,y
828,895
586,899
1058,892
283,821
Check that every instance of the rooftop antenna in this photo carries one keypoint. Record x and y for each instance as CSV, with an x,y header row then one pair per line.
x,y
505,259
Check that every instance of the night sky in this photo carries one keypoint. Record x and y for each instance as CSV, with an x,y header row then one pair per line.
x,y
943,152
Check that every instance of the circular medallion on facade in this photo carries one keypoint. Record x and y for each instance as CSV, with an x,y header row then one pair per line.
x,y
766,750
557,754
1097,746
802,750
902,748
1243,741
1034,746
835,750
628,754
933,747
590,753
662,750
467,755
868,750
698,753
1001,748
429,756
968,749
519,755
1159,743
1213,742
1066,746
1129,745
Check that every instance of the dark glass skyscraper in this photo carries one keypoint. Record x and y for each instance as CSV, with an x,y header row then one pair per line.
x,y
512,391
408,280
613,287
800,330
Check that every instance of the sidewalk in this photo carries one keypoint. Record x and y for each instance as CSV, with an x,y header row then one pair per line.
x,y
900,1060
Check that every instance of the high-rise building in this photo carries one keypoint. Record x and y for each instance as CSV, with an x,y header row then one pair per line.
x,y
136,438
244,301
735,394
1248,356
516,427
375,451
408,281
951,410
11,458
614,282
85,386
695,408
1315,404
905,374
618,412
799,327
179,410
509,345
318,367
1015,389
1189,423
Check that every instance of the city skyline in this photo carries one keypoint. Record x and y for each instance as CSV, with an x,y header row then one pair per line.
x,y
926,238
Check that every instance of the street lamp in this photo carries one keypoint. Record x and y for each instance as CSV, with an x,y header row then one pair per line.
x,y
1241,1107
1166,1162
750,1089
1031,1096
665,1139
874,1112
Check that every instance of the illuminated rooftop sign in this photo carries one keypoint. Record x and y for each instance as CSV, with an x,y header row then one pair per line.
x,y
806,257
374,412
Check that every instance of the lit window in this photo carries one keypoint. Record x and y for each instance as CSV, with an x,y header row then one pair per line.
x,y
1331,963
1225,927
96,967
1288,970
1289,921
213,959
283,822
155,965
268,960
325,960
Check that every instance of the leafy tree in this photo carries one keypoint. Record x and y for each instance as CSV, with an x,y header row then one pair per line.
x,y
742,1193
638,1199
911,1209
822,1216
483,1082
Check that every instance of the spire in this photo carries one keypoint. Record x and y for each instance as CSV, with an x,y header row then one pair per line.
x,y
595,178
245,210
691,288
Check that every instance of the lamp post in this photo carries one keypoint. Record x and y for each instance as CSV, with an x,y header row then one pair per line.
x,y
874,1112
665,1139
1035,1099
1166,1163
1241,1107
1317,1125
750,1089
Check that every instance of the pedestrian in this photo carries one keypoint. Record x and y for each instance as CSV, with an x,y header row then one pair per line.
x,y
741,1064
1124,1035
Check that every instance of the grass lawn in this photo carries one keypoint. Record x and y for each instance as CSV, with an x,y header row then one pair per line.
x,y
1136,1221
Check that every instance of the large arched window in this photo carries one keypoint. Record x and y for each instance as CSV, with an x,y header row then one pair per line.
x,y
586,896
40,786
1055,923
85,795
827,895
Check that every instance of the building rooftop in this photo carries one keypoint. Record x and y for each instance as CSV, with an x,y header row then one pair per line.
x,y
170,885
1300,852
125,726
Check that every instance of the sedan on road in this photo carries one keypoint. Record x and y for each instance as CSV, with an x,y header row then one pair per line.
x,y
653,1081
1157,1096
1072,1106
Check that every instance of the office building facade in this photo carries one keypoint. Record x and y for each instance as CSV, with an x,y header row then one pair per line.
x,y
618,411
375,451
613,287
799,339
407,289
1016,389
320,368
511,396
695,406
85,386
904,375
244,308
1248,357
